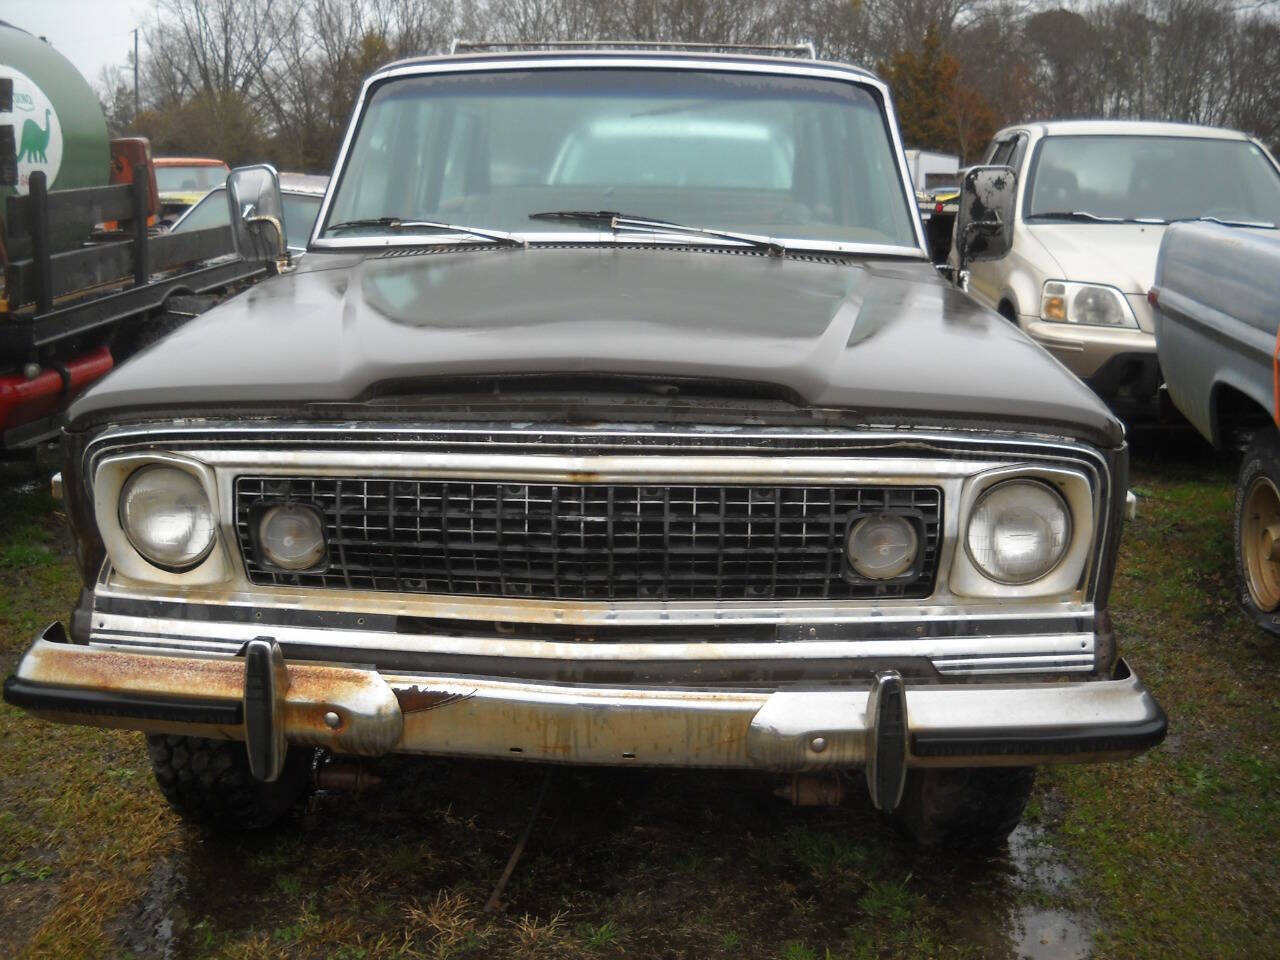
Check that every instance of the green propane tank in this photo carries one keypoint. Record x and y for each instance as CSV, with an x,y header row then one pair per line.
x,y
56,124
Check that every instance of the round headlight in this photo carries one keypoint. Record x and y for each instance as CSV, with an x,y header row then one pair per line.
x,y
291,536
166,516
1018,531
883,546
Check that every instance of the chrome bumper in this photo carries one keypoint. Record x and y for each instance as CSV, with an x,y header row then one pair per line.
x,y
361,710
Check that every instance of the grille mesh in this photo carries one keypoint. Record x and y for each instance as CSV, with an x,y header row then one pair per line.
x,y
588,541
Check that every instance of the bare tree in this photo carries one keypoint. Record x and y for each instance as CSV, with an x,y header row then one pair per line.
x,y
278,78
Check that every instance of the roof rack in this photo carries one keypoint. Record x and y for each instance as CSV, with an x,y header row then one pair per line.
x,y
479,46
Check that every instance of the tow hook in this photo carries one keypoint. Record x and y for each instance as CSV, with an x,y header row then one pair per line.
x,y
348,774
813,790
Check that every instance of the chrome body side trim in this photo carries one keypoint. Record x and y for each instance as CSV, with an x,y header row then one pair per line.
x,y
951,656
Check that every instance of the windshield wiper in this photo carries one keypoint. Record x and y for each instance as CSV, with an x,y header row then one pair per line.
x,y
395,223
1228,223
1083,216
620,222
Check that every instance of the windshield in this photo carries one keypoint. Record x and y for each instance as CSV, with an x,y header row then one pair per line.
x,y
189,179
1153,178
776,156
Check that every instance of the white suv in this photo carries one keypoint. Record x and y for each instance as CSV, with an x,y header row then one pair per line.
x,y
1093,201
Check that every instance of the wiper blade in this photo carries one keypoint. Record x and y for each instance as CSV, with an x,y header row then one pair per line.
x,y
1078,215
1228,223
395,223
621,222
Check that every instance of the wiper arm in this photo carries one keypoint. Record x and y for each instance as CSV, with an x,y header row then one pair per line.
x,y
620,222
395,223
1228,223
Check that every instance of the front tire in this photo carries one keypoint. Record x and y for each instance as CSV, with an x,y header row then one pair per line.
x,y
969,808
208,782
1257,530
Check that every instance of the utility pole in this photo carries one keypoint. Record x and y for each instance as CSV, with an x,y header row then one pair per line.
x,y
135,79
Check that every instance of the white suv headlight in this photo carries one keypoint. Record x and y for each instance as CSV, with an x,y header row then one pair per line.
x,y
166,516
1086,304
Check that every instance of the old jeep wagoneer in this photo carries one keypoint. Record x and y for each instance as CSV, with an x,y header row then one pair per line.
x,y
616,415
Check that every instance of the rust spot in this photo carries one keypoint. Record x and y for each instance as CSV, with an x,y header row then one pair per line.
x,y
415,699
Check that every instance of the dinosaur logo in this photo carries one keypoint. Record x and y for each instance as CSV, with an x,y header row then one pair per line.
x,y
38,132
35,141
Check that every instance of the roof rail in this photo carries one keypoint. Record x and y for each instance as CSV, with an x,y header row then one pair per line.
x,y
479,46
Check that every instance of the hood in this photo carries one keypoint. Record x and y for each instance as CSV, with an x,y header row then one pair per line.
x,y
883,339
1121,255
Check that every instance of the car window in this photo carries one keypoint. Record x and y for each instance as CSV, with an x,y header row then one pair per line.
x,y
1003,152
211,210
1142,177
781,156
190,179
300,214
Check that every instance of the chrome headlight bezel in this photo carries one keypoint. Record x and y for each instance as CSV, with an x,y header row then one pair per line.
x,y
1064,301
109,479
1066,577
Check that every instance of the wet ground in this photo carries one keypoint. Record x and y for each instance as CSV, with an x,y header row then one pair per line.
x,y
687,864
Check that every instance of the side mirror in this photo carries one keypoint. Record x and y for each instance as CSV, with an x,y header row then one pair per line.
x,y
984,222
257,212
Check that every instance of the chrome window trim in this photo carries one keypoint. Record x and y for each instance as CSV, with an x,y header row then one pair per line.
x,y
723,65
798,246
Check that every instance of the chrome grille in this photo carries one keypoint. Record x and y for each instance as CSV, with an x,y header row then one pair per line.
x,y
589,541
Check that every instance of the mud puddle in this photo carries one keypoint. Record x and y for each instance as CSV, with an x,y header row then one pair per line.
x,y
1035,880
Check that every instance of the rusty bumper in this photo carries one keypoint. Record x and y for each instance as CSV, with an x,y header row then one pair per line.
x,y
360,710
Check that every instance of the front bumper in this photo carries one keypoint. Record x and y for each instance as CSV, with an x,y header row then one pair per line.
x,y
361,710
1086,350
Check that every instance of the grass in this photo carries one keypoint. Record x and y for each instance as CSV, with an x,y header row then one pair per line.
x,y
1175,854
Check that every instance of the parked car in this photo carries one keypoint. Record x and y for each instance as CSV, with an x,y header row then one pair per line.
x,y
301,195
1216,323
1094,199
184,180
526,466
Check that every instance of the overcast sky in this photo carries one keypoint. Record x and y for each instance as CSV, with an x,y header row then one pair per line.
x,y
90,33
